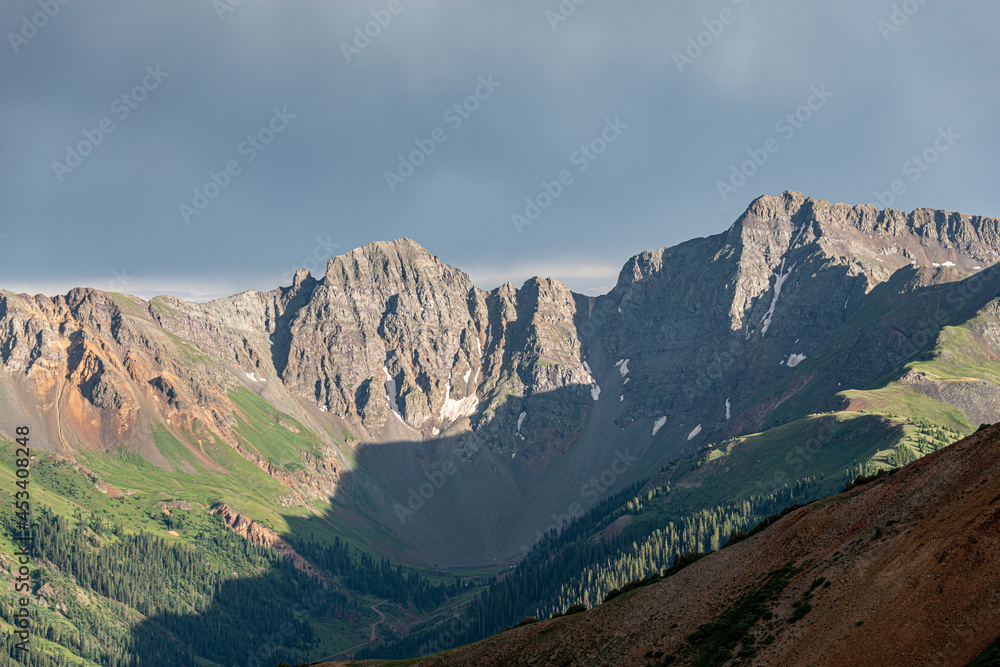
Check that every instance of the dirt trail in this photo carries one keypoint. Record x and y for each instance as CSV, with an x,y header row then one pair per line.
x,y
59,431
381,618
370,641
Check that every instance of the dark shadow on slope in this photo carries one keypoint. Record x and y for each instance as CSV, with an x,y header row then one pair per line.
x,y
299,294
259,621
473,500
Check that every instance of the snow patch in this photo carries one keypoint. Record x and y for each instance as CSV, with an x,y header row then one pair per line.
x,y
390,391
623,367
779,282
948,264
695,431
795,359
627,380
595,389
658,424
978,268
728,412
520,420
452,410
801,231
621,398
465,378
252,376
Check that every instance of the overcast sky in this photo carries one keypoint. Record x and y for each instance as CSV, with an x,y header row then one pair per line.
x,y
113,112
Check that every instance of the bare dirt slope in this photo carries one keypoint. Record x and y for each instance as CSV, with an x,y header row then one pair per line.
x,y
913,565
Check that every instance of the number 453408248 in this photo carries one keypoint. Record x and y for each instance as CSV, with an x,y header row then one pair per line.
x,y
23,460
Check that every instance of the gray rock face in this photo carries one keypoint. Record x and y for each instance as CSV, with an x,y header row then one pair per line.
x,y
390,329
388,316
723,316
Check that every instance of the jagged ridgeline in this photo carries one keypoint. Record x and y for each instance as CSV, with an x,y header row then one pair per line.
x,y
394,406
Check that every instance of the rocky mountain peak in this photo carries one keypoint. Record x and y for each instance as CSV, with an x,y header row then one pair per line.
x,y
974,237
399,262
767,207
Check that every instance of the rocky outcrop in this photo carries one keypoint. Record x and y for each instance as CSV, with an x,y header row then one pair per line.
x,y
254,532
263,536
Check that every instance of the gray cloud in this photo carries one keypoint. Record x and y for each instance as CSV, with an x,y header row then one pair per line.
x,y
323,176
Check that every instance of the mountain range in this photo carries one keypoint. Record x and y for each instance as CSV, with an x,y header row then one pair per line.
x,y
527,443
394,364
